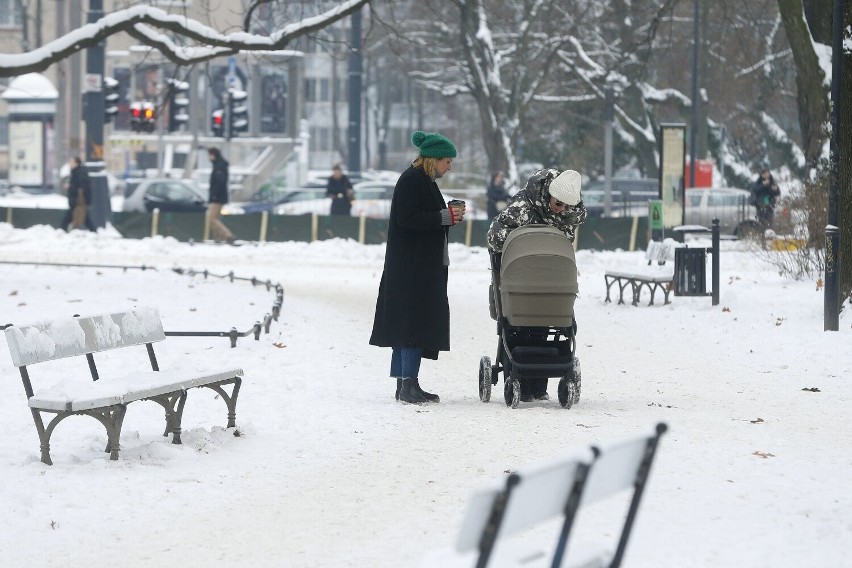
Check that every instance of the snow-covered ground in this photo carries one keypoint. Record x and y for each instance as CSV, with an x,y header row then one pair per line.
x,y
331,471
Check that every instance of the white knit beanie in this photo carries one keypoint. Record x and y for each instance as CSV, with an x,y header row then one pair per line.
x,y
566,187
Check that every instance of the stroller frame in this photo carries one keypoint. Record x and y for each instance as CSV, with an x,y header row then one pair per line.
x,y
529,352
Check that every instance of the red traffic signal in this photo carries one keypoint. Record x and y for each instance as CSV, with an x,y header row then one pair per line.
x,y
217,122
143,117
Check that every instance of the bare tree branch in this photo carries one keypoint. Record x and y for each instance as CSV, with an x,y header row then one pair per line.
x,y
143,23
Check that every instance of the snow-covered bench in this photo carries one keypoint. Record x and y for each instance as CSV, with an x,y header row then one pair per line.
x,y
657,277
532,496
106,398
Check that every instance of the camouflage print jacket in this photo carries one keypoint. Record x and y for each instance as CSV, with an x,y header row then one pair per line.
x,y
531,206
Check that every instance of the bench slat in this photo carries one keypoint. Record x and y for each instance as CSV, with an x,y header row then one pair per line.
x,y
74,395
667,277
67,337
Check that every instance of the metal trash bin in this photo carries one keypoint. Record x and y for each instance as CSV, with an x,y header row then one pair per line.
x,y
690,271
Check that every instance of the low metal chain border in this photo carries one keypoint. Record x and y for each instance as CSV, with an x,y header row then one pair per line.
x,y
233,334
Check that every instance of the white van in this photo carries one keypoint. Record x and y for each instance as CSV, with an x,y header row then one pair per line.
x,y
729,205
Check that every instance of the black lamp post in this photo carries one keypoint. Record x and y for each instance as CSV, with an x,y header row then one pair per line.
x,y
93,103
831,299
692,130
355,78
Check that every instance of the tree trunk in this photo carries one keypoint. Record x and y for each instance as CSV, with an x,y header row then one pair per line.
x,y
844,146
812,95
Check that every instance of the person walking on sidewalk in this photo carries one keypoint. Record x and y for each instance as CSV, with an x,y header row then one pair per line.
x,y
79,198
218,196
339,189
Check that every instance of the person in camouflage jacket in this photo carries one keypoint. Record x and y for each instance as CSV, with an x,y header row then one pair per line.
x,y
534,205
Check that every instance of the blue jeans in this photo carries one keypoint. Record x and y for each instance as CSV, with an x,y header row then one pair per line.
x,y
405,362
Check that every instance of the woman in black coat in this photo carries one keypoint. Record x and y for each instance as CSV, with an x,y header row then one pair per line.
x,y
412,310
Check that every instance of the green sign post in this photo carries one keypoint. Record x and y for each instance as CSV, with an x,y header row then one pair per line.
x,y
655,218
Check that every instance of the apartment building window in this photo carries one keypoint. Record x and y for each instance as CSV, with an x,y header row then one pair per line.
x,y
10,15
317,90
273,106
171,3
320,139
341,93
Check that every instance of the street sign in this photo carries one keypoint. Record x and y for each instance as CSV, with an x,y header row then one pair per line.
x,y
655,214
92,83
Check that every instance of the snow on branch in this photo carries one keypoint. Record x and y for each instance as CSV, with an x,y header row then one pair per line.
x,y
768,59
147,25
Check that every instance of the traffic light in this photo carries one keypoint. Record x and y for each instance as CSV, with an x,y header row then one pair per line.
x,y
111,98
143,117
178,104
217,122
237,100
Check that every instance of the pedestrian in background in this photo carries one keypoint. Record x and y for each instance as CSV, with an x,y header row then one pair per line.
x,y
497,195
218,196
79,197
764,194
412,309
339,189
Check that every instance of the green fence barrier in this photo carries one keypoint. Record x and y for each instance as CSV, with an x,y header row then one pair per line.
x,y
626,233
629,233
25,218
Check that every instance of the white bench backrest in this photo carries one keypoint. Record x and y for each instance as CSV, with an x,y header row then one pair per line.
x,y
614,471
541,495
660,251
476,517
66,337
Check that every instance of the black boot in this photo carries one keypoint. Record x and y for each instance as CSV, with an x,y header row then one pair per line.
x,y
398,387
427,395
410,393
538,389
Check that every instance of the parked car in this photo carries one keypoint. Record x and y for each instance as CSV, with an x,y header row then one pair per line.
x,y
372,199
168,195
629,196
269,196
729,205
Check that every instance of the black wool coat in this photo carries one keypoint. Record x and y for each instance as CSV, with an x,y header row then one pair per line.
x,y
219,181
412,309
79,180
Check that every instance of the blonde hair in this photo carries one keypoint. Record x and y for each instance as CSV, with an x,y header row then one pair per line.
x,y
428,165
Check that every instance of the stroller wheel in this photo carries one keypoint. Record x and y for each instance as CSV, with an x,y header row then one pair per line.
x,y
576,381
485,379
569,386
567,392
512,392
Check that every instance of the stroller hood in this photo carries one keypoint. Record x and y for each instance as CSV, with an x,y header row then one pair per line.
x,y
538,277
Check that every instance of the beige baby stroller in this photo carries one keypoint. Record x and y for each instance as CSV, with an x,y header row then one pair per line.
x,y
532,293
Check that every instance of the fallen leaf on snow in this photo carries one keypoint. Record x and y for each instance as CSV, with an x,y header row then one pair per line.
x,y
763,455
279,345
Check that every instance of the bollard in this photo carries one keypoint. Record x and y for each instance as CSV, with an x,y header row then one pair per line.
x,y
831,297
155,222
715,261
264,225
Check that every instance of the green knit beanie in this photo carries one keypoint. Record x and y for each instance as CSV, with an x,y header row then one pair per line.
x,y
433,145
